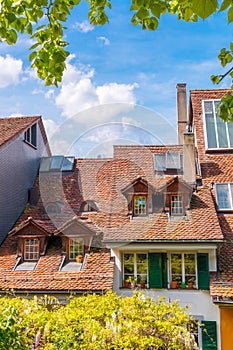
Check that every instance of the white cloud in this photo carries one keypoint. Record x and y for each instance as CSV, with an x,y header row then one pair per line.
x,y
50,127
105,41
10,70
79,93
83,27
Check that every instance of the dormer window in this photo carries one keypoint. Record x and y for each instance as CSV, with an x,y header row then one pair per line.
x,y
76,248
219,135
31,249
177,206
88,206
140,205
224,196
30,135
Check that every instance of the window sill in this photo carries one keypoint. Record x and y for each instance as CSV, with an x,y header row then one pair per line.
x,y
219,150
30,144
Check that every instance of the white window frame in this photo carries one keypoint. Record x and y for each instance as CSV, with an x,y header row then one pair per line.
x,y
183,266
142,208
229,194
76,252
215,127
179,201
31,249
135,274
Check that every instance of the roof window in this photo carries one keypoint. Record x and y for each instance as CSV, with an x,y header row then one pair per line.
x,y
168,161
57,163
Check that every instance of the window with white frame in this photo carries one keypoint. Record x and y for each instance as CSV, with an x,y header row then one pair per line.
x,y
224,196
183,267
176,205
135,267
219,134
30,135
140,205
75,248
31,249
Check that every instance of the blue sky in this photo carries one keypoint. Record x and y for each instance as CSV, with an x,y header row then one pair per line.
x,y
116,63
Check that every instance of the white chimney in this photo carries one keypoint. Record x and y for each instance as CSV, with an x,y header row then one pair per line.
x,y
181,111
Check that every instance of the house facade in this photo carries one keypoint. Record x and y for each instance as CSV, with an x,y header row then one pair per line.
x,y
22,144
156,218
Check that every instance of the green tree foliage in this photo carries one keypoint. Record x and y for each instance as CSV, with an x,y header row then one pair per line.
x,y
94,322
44,22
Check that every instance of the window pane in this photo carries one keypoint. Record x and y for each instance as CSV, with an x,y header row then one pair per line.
x,y
128,259
208,107
33,135
210,129
173,161
139,205
222,134
76,247
56,162
31,249
223,196
190,268
176,267
68,164
45,164
176,205
160,162
230,132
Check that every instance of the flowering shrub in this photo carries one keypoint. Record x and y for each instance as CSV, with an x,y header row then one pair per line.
x,y
94,322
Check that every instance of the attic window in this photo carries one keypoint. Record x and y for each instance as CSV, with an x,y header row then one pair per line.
x,y
31,249
30,135
140,205
76,248
57,163
88,206
177,205
168,161
219,135
224,196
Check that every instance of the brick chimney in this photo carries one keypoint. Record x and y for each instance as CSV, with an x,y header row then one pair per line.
x,y
181,111
189,165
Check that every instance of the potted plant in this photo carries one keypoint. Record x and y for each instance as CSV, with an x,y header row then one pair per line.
x,y
141,282
133,283
190,282
127,282
174,284
79,259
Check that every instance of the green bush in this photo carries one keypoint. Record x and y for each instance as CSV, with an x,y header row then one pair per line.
x,y
94,322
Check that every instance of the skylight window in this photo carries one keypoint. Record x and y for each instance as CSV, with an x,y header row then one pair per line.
x,y
57,163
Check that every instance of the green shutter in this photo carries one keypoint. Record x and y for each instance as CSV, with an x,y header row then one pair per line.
x,y
203,271
209,335
157,270
164,270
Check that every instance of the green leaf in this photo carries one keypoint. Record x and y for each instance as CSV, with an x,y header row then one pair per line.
x,y
225,5
32,56
230,15
11,37
204,8
215,79
142,14
156,10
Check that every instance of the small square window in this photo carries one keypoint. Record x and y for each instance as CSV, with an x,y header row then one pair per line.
x,y
31,249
